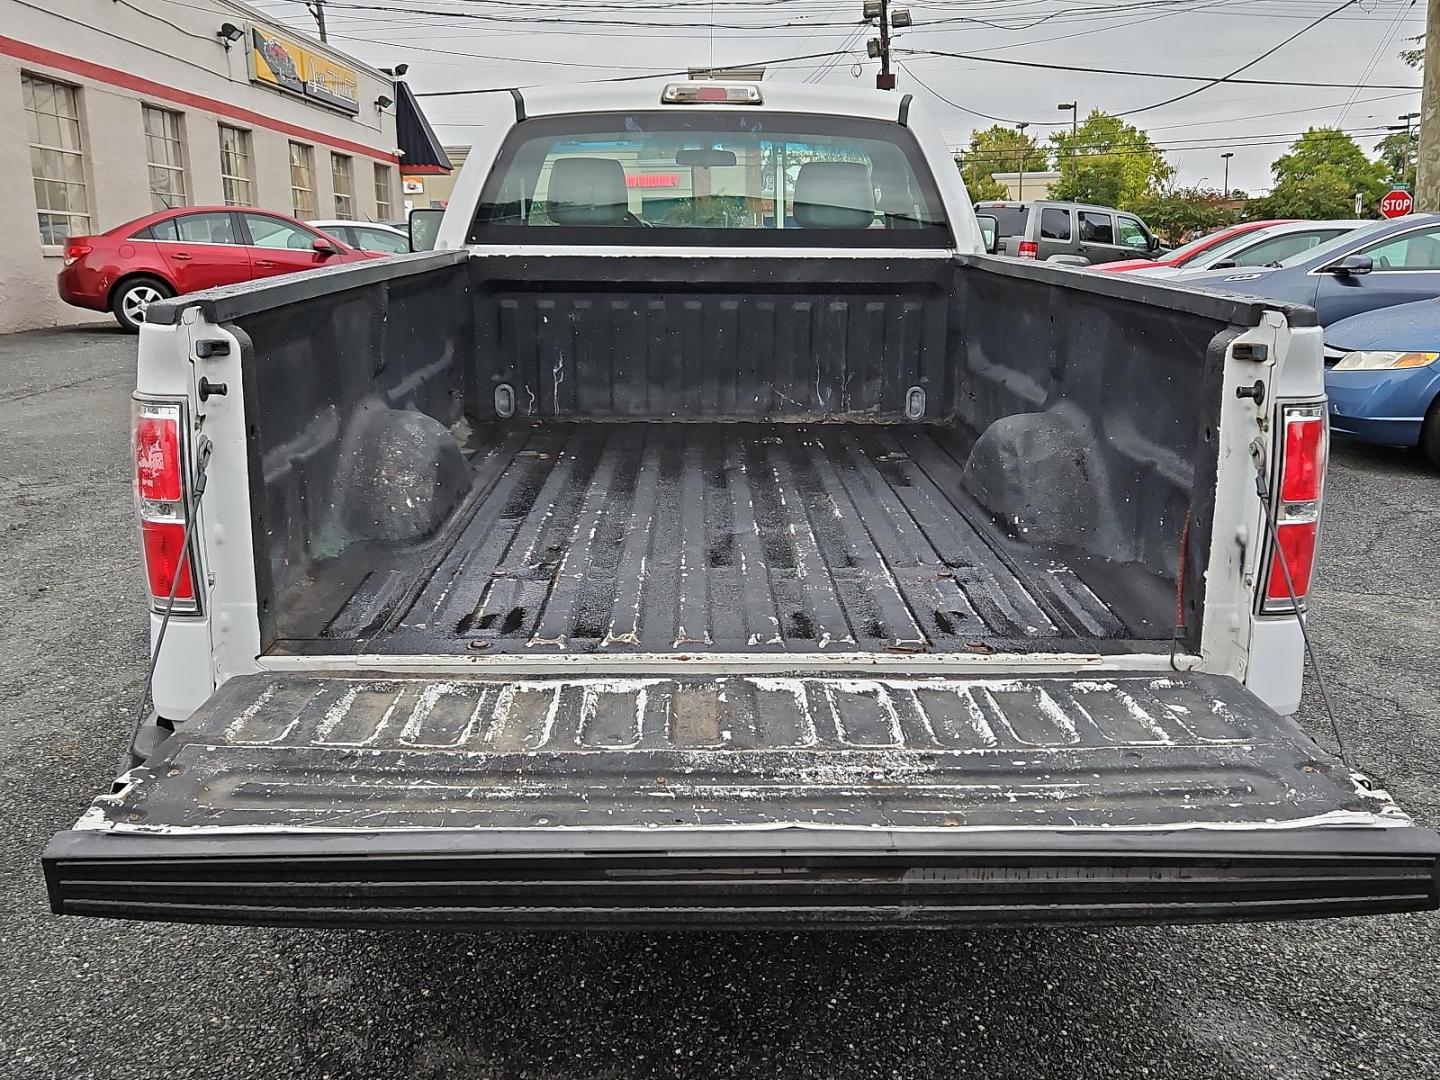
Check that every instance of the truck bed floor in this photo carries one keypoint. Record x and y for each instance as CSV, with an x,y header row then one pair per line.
x,y
652,537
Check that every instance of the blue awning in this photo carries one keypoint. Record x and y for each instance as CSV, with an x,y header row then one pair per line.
x,y
421,152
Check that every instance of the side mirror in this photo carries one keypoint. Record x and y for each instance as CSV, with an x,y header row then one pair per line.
x,y
1154,244
1350,265
425,228
989,232
324,248
1223,264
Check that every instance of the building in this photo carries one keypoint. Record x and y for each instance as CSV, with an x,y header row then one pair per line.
x,y
1025,187
423,191
111,109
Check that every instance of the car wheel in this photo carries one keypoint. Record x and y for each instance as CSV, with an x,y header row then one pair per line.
x,y
130,300
1430,435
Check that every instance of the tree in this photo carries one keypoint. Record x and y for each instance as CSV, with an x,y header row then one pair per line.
x,y
998,149
1320,177
1177,212
1400,154
1109,162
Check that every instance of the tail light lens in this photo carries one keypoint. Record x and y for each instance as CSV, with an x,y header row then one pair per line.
x,y
75,249
1303,445
160,501
1029,249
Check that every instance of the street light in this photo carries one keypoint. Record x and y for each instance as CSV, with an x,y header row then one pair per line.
x,y
1225,157
1073,108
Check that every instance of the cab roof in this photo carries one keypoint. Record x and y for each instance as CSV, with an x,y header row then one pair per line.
x,y
776,97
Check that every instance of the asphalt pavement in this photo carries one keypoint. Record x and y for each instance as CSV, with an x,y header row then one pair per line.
x,y
93,999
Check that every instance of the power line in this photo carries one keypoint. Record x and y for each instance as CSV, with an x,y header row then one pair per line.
x,y
1243,67
981,59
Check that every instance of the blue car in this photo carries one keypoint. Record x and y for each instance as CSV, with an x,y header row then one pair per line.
x,y
1383,378
1388,263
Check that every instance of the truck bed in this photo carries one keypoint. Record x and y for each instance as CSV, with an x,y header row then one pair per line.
x,y
697,537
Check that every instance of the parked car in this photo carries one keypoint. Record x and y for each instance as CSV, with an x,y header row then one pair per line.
x,y
1263,247
1382,265
1382,375
581,573
373,236
173,252
1187,253
1077,234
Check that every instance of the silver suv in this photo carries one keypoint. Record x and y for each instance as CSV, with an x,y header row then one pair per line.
x,y
1067,232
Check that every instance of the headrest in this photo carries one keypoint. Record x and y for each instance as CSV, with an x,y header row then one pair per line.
x,y
834,195
588,191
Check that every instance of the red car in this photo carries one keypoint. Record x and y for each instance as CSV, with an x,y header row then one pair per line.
x,y
171,252
1185,252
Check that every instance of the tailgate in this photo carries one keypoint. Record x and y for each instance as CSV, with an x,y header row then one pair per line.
x,y
740,800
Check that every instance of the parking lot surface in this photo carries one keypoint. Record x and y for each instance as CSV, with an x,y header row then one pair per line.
x,y
92,999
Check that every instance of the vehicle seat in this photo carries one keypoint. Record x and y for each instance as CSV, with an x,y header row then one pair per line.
x,y
220,234
834,195
588,191
894,199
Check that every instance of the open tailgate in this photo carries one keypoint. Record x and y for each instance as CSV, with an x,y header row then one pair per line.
x,y
739,800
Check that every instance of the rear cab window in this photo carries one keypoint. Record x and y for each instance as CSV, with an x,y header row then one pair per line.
x,y
1011,219
733,178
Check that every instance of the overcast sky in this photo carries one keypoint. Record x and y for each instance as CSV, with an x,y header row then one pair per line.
x,y
496,43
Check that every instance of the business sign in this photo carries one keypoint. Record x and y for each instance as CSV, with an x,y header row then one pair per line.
x,y
412,185
280,63
652,180
1397,204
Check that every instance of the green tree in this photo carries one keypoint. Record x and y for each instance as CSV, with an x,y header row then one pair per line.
x,y
1400,154
1177,212
998,149
1320,177
1109,162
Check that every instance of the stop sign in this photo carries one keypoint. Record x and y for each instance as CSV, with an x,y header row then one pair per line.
x,y
1397,204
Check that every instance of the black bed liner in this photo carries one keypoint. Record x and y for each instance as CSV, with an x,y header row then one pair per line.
x,y
739,800
721,537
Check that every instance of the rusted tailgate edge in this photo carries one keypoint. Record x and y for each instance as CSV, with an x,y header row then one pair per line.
x,y
812,877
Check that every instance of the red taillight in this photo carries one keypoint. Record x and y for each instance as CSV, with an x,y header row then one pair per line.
x,y
1297,545
157,455
1304,462
1029,249
160,501
75,249
1302,443
164,550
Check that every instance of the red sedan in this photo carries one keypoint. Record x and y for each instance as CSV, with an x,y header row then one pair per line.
x,y
1185,252
171,252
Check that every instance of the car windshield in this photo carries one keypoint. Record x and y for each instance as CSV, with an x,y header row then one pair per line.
x,y
1185,252
1227,247
1340,243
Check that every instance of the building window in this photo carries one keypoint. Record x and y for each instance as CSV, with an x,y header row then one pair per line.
x,y
163,156
382,192
302,181
235,166
57,165
342,179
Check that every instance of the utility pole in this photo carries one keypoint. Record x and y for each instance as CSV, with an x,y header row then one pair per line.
x,y
1406,164
1020,190
1427,181
879,47
1226,158
317,8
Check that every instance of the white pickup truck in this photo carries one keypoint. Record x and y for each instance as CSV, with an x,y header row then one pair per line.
x,y
710,532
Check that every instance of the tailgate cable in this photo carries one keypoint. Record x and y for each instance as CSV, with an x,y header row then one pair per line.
x,y
202,461
1262,488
